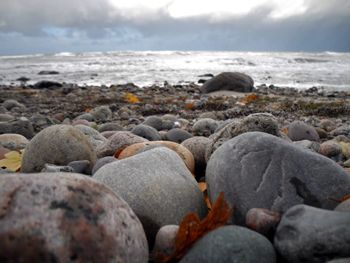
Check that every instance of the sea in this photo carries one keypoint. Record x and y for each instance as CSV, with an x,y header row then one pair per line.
x,y
327,70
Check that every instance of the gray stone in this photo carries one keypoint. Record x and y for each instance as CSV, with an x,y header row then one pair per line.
x,y
298,131
101,162
158,187
177,135
262,122
81,167
328,125
65,217
51,168
343,206
330,148
309,234
41,122
59,145
111,126
197,146
155,122
233,81
4,117
231,244
146,132
10,104
94,137
340,260
260,170
13,141
308,145
343,130
204,127
165,240
101,113
86,116
117,142
21,126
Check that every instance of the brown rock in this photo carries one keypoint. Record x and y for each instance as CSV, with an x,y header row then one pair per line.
x,y
182,151
66,218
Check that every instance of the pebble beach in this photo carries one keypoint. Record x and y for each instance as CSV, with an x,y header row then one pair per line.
x,y
107,173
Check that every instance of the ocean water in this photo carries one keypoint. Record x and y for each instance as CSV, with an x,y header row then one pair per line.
x,y
328,70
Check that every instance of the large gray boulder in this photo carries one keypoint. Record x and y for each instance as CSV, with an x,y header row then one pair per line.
x,y
233,81
256,169
308,234
157,185
59,145
231,244
66,217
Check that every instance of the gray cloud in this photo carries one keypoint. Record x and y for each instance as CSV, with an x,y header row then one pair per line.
x,y
87,25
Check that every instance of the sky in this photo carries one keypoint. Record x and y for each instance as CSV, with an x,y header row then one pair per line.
x,y
51,26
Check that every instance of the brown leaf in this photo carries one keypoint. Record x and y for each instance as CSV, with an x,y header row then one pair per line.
x,y
248,99
344,198
191,229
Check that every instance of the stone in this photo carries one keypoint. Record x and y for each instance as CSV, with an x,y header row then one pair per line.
x,y
177,135
340,260
108,134
155,122
330,148
257,169
262,221
343,206
309,234
342,130
262,122
51,168
46,84
101,113
165,240
298,131
118,142
146,132
232,81
94,137
59,145
110,126
157,186
13,141
40,122
308,145
328,125
231,244
321,133
10,104
101,162
86,116
4,117
204,127
81,167
48,72
22,126
182,151
66,217
197,146
82,122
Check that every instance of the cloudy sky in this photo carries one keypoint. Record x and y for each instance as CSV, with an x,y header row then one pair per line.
x,y
48,26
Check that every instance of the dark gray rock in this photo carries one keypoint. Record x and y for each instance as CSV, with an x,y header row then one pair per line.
x,y
111,126
298,131
308,234
101,113
158,187
22,126
46,84
101,162
177,135
86,116
343,130
231,244
59,145
233,81
308,145
81,167
204,127
146,132
260,170
262,122
197,146
263,221
155,122
66,217
117,142
10,104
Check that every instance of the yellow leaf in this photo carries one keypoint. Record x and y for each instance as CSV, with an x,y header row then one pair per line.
x,y
131,98
12,161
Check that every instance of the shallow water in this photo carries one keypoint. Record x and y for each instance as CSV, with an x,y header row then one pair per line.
x,y
300,70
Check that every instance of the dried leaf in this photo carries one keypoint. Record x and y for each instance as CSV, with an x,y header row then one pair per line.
x,y
285,130
203,187
191,229
248,99
12,161
130,98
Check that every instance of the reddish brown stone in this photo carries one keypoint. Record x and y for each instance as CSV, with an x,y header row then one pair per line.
x,y
262,220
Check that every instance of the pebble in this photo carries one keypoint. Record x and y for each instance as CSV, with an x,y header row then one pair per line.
x,y
64,218
59,145
22,126
13,141
81,167
204,127
309,234
155,122
177,135
262,221
146,132
110,126
231,244
157,186
101,113
165,240
257,169
101,162
298,131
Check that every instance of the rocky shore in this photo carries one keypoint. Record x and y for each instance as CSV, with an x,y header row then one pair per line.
x,y
106,174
